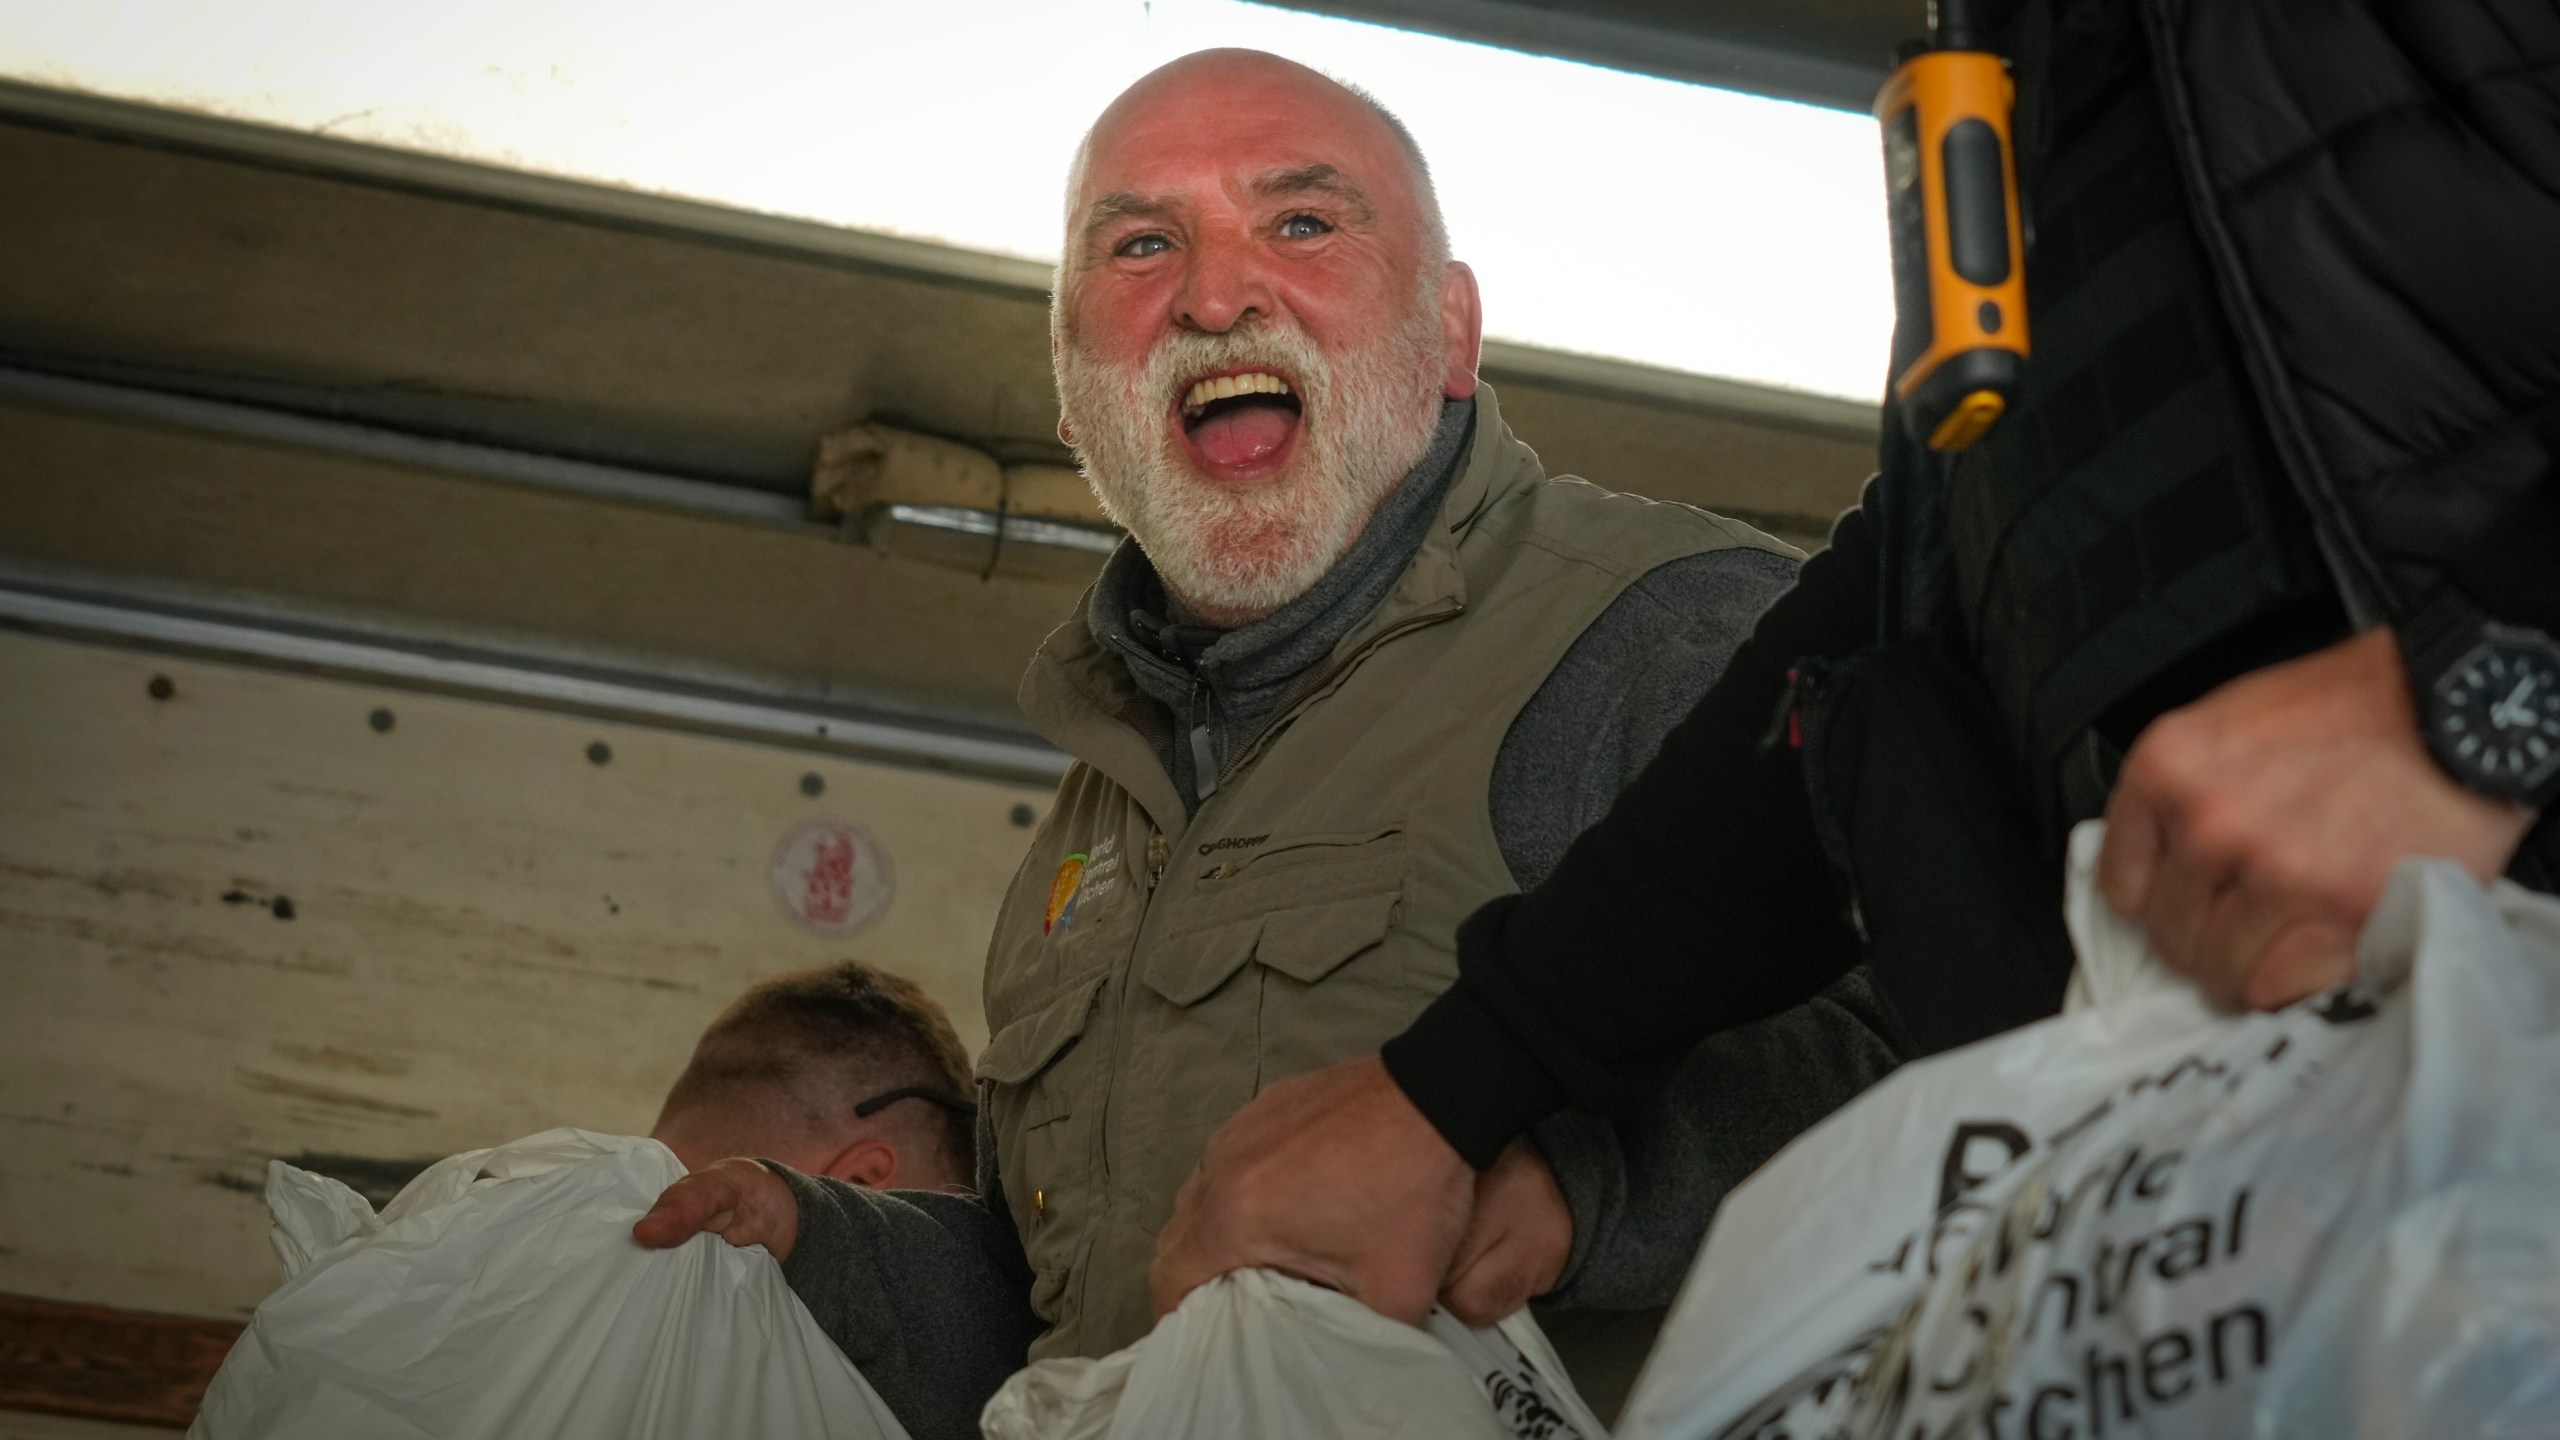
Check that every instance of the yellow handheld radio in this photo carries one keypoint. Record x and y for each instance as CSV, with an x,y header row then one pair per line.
x,y
1959,287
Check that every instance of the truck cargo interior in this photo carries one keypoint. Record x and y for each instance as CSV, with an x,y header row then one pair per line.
x,y
446,603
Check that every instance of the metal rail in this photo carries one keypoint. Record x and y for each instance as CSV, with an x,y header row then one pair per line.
x,y
268,642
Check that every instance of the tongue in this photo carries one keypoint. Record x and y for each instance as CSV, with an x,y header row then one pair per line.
x,y
1243,434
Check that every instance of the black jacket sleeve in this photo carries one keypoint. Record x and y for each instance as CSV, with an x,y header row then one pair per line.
x,y
2506,567
1701,902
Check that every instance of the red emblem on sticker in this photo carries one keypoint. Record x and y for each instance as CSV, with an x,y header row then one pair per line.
x,y
833,877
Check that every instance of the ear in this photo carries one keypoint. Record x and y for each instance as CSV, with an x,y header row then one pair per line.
x,y
1066,432
1058,299
1461,329
872,1164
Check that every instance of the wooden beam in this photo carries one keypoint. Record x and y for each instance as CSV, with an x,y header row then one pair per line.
x,y
99,1363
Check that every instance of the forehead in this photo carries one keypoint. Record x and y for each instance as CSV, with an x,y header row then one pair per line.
x,y
1221,125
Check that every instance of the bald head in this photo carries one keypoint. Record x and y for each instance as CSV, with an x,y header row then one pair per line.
x,y
1213,90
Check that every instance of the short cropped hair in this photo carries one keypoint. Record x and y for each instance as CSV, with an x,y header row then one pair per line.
x,y
1426,194
822,1041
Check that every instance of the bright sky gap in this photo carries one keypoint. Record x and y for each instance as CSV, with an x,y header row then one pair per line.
x,y
1607,213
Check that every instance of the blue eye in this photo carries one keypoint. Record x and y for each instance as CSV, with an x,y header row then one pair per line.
x,y
1139,247
1304,227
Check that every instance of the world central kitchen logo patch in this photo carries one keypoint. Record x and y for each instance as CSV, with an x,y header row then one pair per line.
x,y
1081,882
1063,891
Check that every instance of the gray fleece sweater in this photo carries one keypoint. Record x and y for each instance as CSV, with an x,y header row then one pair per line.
x,y
937,1325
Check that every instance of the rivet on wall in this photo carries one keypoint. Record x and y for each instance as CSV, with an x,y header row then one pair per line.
x,y
813,784
599,753
382,721
1023,815
162,687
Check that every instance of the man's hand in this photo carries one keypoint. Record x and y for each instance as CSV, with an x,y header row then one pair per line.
x,y
1331,1176
1518,1242
738,1200
2252,832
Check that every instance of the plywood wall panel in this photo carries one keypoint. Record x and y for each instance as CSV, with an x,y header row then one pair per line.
x,y
241,922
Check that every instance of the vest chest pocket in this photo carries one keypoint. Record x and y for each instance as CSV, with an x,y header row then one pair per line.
x,y
1316,921
1334,983
1310,942
1041,1095
1305,943
1302,906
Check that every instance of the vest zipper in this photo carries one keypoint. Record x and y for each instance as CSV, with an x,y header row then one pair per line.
x,y
1204,765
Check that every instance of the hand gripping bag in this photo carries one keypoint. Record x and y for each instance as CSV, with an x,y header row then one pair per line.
x,y
501,1294
1258,1355
2149,1218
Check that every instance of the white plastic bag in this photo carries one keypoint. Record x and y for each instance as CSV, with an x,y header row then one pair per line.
x,y
1257,1355
2149,1218
501,1294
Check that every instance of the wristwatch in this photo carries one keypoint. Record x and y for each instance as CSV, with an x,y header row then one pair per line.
x,y
2488,699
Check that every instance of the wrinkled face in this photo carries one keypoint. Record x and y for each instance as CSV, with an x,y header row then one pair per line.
x,y
1252,338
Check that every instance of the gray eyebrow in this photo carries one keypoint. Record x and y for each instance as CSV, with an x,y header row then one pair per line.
x,y
1121,205
1318,179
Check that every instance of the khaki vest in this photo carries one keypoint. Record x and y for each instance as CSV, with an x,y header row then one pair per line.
x,y
1150,974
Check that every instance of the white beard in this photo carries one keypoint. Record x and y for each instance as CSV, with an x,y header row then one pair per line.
x,y
1233,554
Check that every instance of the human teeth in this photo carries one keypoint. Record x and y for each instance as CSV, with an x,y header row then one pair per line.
x,y
1227,386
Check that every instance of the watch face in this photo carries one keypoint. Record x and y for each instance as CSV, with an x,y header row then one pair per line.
x,y
2499,718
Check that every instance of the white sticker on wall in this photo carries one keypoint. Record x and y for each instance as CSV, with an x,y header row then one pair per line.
x,y
833,877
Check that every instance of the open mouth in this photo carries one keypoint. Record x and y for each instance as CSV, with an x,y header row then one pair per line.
x,y
1240,425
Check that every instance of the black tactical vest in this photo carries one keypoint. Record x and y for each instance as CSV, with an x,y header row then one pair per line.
x,y
2130,524
2294,276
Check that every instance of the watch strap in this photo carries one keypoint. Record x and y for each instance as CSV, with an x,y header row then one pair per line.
x,y
2440,633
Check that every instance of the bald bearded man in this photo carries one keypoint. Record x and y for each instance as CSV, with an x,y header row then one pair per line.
x,y
1363,667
